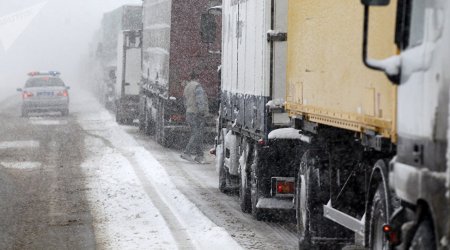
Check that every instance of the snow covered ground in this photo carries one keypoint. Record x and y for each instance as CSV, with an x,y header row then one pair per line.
x,y
134,203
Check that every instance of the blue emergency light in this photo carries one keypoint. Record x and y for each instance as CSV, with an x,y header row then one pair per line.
x,y
54,73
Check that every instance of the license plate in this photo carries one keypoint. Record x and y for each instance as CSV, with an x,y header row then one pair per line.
x,y
45,94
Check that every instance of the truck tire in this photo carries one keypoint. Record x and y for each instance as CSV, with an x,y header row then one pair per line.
x,y
224,176
378,218
146,123
142,120
160,134
255,192
245,158
307,184
311,195
119,116
149,126
424,238
142,113
379,212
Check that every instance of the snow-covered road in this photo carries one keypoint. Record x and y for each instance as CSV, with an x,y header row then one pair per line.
x,y
133,200
84,182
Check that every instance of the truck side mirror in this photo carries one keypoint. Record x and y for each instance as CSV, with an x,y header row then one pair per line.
x,y
208,28
375,2
390,66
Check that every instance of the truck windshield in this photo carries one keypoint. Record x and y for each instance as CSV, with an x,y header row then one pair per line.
x,y
44,82
417,23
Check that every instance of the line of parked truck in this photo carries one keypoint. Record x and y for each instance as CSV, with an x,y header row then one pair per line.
x,y
308,122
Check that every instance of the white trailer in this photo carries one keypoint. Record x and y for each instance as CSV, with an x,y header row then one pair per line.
x,y
105,53
253,75
128,76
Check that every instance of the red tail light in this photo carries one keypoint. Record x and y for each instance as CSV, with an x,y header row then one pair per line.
x,y
26,94
261,142
177,118
391,235
63,93
283,186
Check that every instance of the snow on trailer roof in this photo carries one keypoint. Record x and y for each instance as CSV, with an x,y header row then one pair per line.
x,y
288,133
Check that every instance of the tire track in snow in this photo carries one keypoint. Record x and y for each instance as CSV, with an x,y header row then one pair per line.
x,y
153,182
223,209
288,237
178,232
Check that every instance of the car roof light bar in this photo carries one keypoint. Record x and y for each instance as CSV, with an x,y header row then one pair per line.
x,y
51,72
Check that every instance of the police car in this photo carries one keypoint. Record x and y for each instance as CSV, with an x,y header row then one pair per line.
x,y
44,92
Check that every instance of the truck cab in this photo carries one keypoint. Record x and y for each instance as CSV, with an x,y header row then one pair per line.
x,y
419,174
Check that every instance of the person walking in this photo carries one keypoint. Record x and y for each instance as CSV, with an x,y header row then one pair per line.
x,y
196,104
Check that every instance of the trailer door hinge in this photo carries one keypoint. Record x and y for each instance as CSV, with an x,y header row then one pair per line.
x,y
276,36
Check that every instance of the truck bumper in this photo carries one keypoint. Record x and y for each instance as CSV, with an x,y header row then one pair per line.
x,y
275,204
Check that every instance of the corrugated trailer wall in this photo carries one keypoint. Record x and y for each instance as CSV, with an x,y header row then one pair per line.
x,y
156,43
327,81
246,62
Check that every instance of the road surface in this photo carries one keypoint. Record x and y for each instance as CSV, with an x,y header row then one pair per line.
x,y
84,182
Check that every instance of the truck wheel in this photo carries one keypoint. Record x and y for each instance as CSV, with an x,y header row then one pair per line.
x,y
424,237
223,173
311,195
142,113
149,124
306,185
244,189
160,135
119,118
378,218
379,212
223,176
142,120
254,187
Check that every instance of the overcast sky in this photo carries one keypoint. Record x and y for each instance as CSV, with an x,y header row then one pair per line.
x,y
56,39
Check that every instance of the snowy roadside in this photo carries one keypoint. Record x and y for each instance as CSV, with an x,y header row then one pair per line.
x,y
134,203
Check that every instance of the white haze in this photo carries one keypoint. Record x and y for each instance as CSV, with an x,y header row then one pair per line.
x,y
56,39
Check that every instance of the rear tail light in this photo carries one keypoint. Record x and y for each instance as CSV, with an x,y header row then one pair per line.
x,y
177,118
283,186
391,235
63,93
26,94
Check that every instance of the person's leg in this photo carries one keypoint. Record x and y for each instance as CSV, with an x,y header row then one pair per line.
x,y
199,134
190,147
